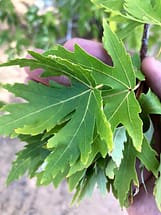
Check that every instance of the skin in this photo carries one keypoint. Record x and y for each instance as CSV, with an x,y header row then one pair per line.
x,y
152,70
143,203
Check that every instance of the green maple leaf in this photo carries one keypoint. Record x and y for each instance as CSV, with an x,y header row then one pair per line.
x,y
150,103
41,112
119,140
148,157
110,169
90,178
29,159
122,106
121,98
78,120
143,11
126,174
36,116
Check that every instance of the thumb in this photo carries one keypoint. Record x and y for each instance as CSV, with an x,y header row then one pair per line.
x,y
152,71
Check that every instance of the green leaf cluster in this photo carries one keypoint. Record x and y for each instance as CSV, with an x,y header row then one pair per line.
x,y
89,132
143,11
127,18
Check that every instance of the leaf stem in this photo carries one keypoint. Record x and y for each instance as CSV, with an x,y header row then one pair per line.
x,y
99,86
137,86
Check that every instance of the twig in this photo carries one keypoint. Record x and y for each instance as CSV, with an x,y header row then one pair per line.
x,y
144,44
143,52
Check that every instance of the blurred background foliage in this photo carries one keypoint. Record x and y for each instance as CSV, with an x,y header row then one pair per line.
x,y
44,23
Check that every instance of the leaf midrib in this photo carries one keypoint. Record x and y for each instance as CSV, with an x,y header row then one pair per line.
x,y
70,143
121,103
48,107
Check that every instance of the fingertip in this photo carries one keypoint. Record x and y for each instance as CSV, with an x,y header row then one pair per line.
x,y
152,70
148,63
69,44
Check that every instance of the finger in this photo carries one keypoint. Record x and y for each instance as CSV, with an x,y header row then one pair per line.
x,y
92,47
152,70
